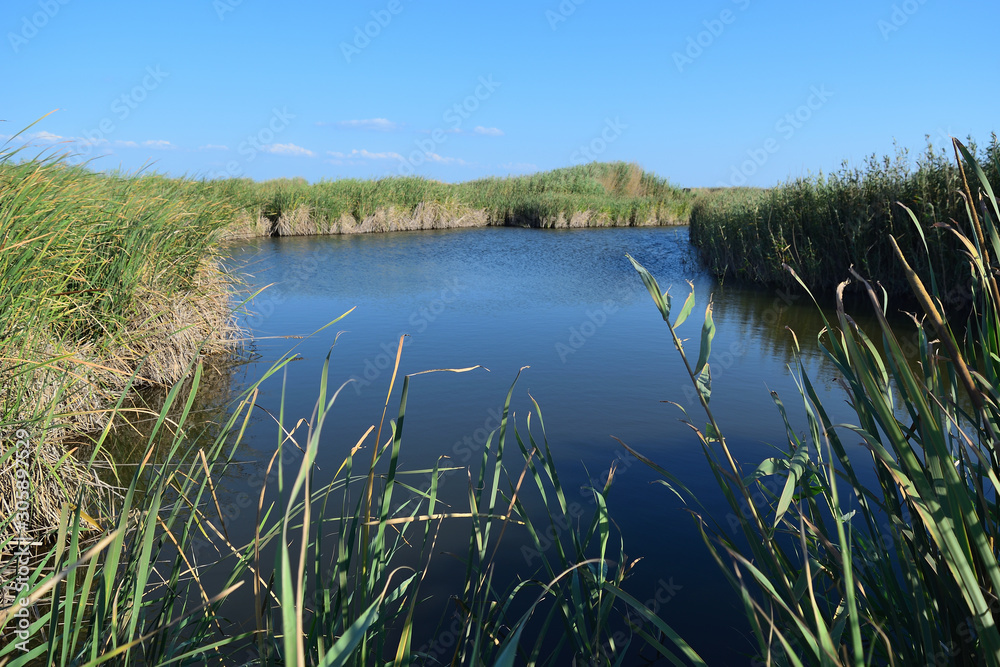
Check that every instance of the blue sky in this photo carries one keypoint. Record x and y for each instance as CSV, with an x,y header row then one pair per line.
x,y
708,93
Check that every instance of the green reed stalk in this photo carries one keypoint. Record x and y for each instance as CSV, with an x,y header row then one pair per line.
x,y
823,225
904,571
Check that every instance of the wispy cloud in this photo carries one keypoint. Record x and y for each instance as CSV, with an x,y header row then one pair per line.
x,y
377,124
365,154
359,156
440,159
51,138
288,149
488,131
48,137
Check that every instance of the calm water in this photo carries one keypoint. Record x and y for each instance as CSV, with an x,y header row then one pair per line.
x,y
569,305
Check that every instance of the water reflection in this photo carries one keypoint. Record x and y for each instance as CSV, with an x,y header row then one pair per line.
x,y
568,304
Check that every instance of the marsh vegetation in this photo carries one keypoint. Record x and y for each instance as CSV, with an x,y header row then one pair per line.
x,y
112,282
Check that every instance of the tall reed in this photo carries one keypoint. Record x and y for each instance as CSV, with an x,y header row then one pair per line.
x,y
823,225
597,194
904,571
334,569
107,281
110,282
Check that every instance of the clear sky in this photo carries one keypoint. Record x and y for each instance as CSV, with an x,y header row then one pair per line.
x,y
706,93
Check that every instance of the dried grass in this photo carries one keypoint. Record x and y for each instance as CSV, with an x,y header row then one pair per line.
x,y
56,481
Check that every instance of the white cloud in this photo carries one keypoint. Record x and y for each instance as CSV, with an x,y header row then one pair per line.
x,y
377,124
489,131
365,154
126,144
158,144
48,137
288,149
434,157
213,147
359,156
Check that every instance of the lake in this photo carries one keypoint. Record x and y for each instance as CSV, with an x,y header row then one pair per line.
x,y
568,305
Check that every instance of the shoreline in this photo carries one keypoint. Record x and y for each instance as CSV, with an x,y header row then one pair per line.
x,y
426,216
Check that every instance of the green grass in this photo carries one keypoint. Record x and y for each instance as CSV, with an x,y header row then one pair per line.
x,y
110,282
905,571
334,569
617,193
822,226
597,194
831,571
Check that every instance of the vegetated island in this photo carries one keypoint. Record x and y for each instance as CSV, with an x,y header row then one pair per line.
x,y
615,194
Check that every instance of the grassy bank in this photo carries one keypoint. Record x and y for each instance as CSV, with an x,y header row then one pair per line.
x,y
593,195
107,282
822,226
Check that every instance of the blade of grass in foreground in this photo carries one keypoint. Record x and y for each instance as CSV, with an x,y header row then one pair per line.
x,y
902,569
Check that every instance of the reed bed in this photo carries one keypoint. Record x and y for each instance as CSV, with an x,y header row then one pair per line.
x,y
109,281
593,195
831,571
905,570
334,570
822,226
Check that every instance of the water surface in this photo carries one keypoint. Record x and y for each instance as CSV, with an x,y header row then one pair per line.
x,y
568,305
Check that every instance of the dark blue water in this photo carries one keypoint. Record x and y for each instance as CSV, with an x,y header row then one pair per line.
x,y
569,305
